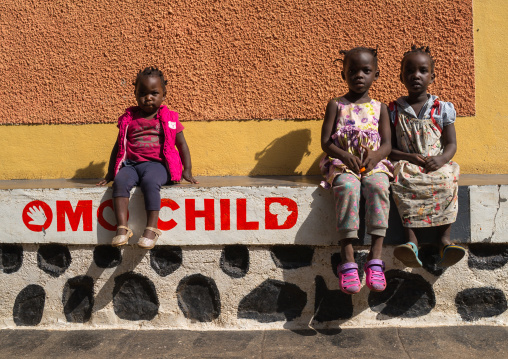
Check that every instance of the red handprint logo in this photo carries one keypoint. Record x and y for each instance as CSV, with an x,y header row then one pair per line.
x,y
37,216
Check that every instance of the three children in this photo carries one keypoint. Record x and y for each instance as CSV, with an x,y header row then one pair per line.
x,y
358,135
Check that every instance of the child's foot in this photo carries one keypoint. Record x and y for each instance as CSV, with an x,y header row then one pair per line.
x,y
408,255
450,255
149,243
349,279
123,234
375,276
147,233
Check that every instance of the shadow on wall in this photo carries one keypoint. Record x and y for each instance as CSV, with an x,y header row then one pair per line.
x,y
93,170
314,168
283,155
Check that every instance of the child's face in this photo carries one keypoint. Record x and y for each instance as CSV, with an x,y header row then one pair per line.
x,y
360,71
417,73
149,94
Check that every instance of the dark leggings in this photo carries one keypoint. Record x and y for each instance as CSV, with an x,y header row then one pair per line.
x,y
150,176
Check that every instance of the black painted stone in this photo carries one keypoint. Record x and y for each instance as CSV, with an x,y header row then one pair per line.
x,y
29,305
272,301
107,256
476,303
234,261
331,304
429,255
134,297
198,298
53,259
406,295
292,256
165,259
360,259
77,299
487,256
11,257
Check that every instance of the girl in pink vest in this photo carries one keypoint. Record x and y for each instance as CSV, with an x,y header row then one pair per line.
x,y
145,155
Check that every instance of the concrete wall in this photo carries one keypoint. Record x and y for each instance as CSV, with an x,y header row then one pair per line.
x,y
249,212
240,287
258,255
268,125
286,139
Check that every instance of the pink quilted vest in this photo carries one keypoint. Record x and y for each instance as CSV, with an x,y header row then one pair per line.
x,y
168,123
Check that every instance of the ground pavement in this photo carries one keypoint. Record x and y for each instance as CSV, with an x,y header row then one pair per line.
x,y
437,342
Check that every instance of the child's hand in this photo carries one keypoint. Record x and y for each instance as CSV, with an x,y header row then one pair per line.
x,y
187,175
370,159
103,182
352,162
417,159
433,163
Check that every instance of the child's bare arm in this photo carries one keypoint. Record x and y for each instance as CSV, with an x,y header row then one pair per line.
x,y
111,167
449,139
327,144
183,149
372,158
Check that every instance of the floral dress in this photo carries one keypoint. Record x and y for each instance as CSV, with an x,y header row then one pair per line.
x,y
355,125
424,199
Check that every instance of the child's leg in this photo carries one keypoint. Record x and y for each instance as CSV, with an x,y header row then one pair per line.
x,y
347,252
152,176
376,247
377,202
121,205
450,252
410,235
346,191
444,234
125,179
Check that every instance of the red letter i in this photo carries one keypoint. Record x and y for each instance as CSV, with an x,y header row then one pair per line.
x,y
225,214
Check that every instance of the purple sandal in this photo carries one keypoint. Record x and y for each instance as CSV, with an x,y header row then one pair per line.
x,y
375,279
349,282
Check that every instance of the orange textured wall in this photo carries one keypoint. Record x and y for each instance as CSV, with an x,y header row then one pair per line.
x,y
73,61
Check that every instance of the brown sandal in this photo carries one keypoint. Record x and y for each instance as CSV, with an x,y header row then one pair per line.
x,y
121,239
149,243
450,255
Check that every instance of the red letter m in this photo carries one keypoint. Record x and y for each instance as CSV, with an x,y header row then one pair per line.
x,y
83,209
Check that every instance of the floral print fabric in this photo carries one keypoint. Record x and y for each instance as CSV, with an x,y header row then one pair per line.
x,y
356,125
347,191
423,199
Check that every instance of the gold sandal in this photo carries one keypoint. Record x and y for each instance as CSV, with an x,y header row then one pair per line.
x,y
149,243
122,239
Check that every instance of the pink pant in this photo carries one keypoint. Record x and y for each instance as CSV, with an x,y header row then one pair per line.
x,y
375,189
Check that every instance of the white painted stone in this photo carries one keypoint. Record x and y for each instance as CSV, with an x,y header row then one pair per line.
x,y
489,211
268,215
205,260
262,208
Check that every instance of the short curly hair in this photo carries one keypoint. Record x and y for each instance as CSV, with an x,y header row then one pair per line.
x,y
347,54
415,50
151,71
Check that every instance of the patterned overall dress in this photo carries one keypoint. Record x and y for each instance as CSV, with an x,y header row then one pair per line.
x,y
423,199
